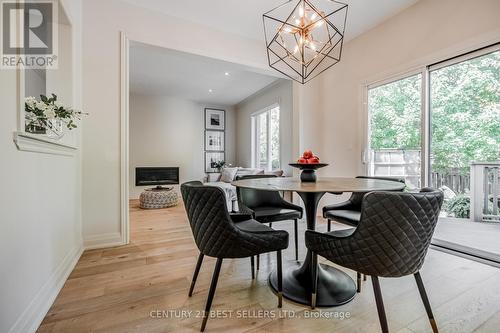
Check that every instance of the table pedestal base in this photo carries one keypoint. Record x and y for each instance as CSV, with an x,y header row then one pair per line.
x,y
334,286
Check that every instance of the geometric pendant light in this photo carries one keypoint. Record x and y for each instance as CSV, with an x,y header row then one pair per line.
x,y
304,38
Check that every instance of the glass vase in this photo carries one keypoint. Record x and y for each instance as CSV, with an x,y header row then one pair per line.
x,y
56,129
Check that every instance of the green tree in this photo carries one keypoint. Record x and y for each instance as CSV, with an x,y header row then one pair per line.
x,y
395,114
465,109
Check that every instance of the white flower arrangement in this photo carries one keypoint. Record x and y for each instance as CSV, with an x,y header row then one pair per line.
x,y
43,113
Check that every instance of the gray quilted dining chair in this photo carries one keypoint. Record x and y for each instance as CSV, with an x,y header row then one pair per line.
x,y
269,207
391,240
217,235
349,211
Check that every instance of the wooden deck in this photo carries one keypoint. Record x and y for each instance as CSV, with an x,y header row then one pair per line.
x,y
121,289
477,238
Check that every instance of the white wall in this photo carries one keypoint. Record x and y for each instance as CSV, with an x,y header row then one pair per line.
x,y
40,211
278,92
103,21
167,131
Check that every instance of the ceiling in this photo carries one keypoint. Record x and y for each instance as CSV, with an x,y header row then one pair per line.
x,y
244,17
159,71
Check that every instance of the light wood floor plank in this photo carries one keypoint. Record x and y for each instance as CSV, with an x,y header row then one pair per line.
x,y
118,290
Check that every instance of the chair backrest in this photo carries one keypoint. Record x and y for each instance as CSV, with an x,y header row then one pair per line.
x,y
212,227
395,231
257,198
394,179
357,198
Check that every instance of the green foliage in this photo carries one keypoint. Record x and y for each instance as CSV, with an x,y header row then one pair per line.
x,y
395,114
275,138
264,121
465,109
218,165
41,113
459,206
466,113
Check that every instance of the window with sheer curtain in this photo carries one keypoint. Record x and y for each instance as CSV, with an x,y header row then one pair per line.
x,y
266,138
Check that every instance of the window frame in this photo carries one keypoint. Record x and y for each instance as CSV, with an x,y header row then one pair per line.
x,y
425,128
255,128
423,119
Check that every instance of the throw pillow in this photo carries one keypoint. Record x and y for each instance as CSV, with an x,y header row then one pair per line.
x,y
228,174
258,172
249,171
277,173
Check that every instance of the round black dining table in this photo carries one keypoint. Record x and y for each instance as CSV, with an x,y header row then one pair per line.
x,y
334,286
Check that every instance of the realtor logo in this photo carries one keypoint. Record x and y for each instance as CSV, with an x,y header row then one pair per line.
x,y
29,34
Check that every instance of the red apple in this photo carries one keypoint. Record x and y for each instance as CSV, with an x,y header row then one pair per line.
x,y
307,154
313,160
302,161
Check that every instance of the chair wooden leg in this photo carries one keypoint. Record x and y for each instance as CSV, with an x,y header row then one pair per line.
x,y
380,304
280,278
314,279
258,261
195,275
252,265
211,293
296,229
329,225
358,275
425,300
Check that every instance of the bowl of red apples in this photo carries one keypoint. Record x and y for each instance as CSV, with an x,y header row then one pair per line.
x,y
308,163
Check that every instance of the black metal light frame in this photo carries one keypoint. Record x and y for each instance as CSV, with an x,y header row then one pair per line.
x,y
304,78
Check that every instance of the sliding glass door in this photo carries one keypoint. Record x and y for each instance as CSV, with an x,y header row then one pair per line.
x,y
465,131
439,126
434,125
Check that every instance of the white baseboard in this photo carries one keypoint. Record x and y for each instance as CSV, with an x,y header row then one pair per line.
x,y
32,317
103,241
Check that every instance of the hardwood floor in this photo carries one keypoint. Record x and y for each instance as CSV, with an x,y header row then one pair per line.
x,y
132,288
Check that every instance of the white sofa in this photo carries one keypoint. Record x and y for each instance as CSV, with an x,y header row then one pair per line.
x,y
230,190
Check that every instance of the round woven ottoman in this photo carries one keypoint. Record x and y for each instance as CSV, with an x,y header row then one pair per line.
x,y
157,198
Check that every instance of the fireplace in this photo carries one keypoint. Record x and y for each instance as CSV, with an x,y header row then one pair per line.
x,y
156,176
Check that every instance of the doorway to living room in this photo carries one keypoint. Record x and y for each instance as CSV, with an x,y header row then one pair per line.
x,y
183,124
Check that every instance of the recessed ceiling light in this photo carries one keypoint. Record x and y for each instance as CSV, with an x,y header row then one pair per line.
x,y
226,73
210,90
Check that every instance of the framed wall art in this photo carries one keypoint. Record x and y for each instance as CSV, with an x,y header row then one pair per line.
x,y
214,140
215,119
213,161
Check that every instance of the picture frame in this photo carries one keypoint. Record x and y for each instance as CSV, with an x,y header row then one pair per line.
x,y
215,119
214,140
211,158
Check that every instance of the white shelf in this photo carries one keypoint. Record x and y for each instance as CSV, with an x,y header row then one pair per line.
x,y
39,143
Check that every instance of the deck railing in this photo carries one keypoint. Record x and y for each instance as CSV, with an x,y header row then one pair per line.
x,y
485,190
406,164
482,184
455,180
